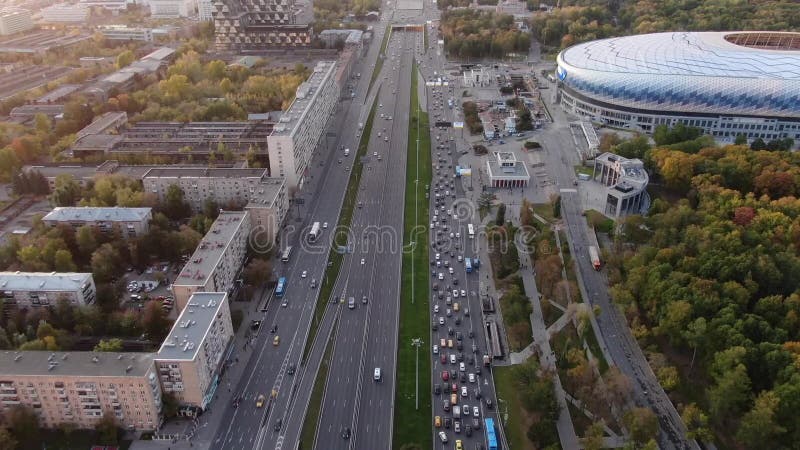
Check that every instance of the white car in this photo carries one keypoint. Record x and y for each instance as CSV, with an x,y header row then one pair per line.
x,y
441,320
463,293
458,235
374,153
441,276
462,367
452,358
476,412
436,349
464,392
460,258
450,269
437,256
455,293
304,274
471,377
324,225
435,308
362,261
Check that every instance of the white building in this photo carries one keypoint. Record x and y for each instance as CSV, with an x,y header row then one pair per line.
x,y
204,10
264,197
626,184
217,261
14,21
34,289
65,13
113,5
125,33
130,222
171,9
506,172
190,358
294,138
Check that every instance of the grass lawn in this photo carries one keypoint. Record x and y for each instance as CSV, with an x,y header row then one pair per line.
x,y
381,57
508,397
599,221
580,168
345,217
315,403
412,425
545,210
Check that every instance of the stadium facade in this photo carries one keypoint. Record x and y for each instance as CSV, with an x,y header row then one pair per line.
x,y
726,83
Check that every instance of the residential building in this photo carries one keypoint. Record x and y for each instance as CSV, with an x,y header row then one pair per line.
x,y
626,184
257,24
35,289
105,123
65,13
191,357
234,188
294,138
125,33
171,9
216,263
80,387
14,21
506,172
205,10
58,94
113,5
130,222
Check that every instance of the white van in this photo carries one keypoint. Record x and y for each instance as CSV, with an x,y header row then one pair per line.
x,y
376,375
347,152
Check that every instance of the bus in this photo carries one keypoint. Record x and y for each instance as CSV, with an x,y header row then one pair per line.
x,y
287,252
281,288
491,437
468,264
314,233
470,231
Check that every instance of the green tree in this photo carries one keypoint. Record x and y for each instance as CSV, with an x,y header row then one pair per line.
x,y
258,271
594,437
741,139
125,59
106,262
500,218
696,422
642,424
86,241
7,440
107,429
154,321
23,424
63,261
42,124
759,425
109,345
174,205
66,192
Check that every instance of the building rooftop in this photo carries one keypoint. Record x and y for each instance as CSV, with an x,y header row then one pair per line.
x,y
201,137
267,193
30,110
189,331
88,213
58,93
78,172
304,98
43,281
39,41
93,142
631,170
102,123
505,164
208,172
75,364
210,250
160,54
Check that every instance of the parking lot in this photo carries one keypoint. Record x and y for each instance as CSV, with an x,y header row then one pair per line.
x,y
151,284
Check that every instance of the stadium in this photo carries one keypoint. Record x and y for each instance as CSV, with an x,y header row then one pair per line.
x,y
726,83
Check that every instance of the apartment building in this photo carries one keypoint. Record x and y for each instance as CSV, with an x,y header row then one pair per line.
x,y
191,356
231,188
171,9
65,13
35,289
113,5
294,138
205,10
14,21
217,261
130,222
80,387
242,25
125,33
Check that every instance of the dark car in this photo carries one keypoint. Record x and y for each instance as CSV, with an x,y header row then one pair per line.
x,y
278,424
450,331
292,369
447,422
489,403
437,389
468,430
255,324
346,433
476,423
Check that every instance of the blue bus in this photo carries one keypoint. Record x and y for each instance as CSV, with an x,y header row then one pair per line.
x,y
468,264
281,288
491,437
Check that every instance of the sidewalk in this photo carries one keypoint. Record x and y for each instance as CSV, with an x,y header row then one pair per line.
x,y
199,432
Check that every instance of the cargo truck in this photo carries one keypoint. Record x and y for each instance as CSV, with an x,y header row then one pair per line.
x,y
595,257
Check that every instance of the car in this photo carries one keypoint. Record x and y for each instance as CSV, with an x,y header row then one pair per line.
x,y
489,403
443,437
466,313
437,389
446,406
471,377
458,320
452,358
363,261
260,401
364,299
435,349
276,341
255,324
440,276
445,375
273,329
285,303
450,269
278,424
477,393
476,412
435,308
304,274
292,369
443,358
346,433
351,303
455,293
459,445
438,256
455,280
464,392
313,283
457,426
441,320
463,293
324,225
437,422
447,422
449,300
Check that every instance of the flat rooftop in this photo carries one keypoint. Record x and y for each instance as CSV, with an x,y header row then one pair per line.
x,y
514,169
304,99
189,331
210,250
102,122
92,214
199,172
58,93
75,364
77,172
202,137
39,41
43,281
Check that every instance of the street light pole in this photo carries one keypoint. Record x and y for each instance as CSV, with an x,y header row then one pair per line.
x,y
416,342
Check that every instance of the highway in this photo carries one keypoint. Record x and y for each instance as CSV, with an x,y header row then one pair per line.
x,y
267,366
367,333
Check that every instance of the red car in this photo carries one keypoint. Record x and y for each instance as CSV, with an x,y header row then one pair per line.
x,y
444,358
445,375
454,388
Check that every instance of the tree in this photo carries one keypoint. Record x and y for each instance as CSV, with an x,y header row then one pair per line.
x,y
125,59
759,425
642,424
7,441
174,205
211,208
23,424
154,321
594,437
110,345
107,429
696,423
63,261
66,192
105,262
741,139
42,124
258,271
758,144
500,219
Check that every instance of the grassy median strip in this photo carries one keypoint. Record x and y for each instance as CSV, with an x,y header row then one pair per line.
x,y
381,56
341,232
412,425
315,403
